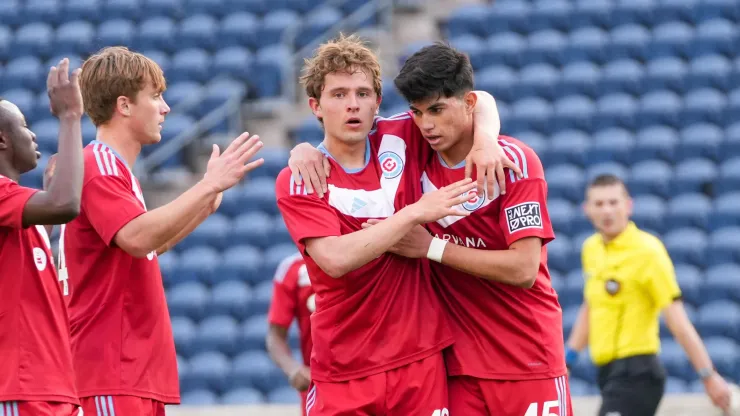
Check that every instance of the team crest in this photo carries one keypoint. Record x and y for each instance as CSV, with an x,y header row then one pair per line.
x,y
391,164
612,287
476,202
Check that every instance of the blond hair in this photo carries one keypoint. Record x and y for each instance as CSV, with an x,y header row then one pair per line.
x,y
344,54
114,72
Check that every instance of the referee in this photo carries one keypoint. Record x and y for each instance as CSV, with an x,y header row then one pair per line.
x,y
630,280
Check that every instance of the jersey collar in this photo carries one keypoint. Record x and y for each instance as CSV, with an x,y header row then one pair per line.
x,y
323,150
94,142
625,237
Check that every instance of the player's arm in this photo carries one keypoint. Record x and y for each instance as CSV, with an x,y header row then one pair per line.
x,y
578,339
194,223
298,374
152,230
60,202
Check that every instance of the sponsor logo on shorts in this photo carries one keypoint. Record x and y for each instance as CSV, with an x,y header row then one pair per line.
x,y
391,164
524,216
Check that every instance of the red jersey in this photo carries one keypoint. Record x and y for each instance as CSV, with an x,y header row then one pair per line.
x,y
121,333
385,314
501,331
293,298
35,359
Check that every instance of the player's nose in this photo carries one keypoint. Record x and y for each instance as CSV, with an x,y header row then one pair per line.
x,y
164,108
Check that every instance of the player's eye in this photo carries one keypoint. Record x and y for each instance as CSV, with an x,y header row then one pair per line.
x,y
339,95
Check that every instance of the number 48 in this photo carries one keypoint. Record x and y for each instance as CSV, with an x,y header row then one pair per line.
x,y
552,404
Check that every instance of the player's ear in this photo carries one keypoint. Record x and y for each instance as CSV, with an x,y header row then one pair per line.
x,y
123,106
470,99
315,107
4,140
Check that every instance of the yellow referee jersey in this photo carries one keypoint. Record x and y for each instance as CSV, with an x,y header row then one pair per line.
x,y
629,280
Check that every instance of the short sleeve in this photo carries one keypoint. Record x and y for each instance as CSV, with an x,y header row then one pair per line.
x,y
305,216
524,211
283,304
109,203
660,279
13,199
402,125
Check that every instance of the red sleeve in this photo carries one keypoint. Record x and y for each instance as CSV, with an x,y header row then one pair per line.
x,y
524,206
109,203
305,216
13,198
283,305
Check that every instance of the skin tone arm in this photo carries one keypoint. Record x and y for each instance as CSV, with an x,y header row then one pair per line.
x,y
193,224
153,230
60,202
277,346
339,255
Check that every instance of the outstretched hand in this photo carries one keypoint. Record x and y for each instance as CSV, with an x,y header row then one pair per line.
x,y
226,169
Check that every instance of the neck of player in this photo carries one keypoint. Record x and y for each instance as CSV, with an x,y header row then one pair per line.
x,y
458,151
121,141
349,154
9,171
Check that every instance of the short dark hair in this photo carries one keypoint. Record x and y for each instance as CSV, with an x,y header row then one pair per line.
x,y
607,179
438,70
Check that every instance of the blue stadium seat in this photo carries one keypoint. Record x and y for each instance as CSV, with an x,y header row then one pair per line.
x,y
724,352
565,181
709,71
613,144
25,101
184,332
671,39
315,23
168,266
537,80
611,168
666,73
704,105
218,333
230,297
47,131
32,39
466,20
238,29
252,228
199,397
659,107
615,110
251,6
675,361
243,396
714,36
505,48
584,368
198,31
392,98
573,112
157,33
259,194
726,211
274,255
269,68
688,210
675,386
89,131
220,92
580,78
656,142
213,232
262,297
568,146
729,175
694,175
10,13
713,9
700,140
630,41
273,25
724,246
123,9
208,370
511,16
497,80
550,14
190,65
87,10
561,212
166,8
280,232
591,13
176,124
671,10
198,263
721,283
46,11
185,93
561,254
569,315
188,299
632,11
473,46
531,113
586,44
690,281
252,368
651,177
545,46
283,395
239,262
687,244
75,37
731,145
116,32
649,211
161,58
253,332
623,75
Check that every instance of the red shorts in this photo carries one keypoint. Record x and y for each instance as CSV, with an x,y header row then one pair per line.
x,y
417,389
475,396
303,401
38,409
121,406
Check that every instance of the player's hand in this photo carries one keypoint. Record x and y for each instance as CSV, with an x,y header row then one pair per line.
x,y
490,160
301,378
49,171
226,169
308,162
442,202
65,98
718,391
414,245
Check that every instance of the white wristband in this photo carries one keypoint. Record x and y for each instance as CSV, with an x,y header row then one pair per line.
x,y
436,249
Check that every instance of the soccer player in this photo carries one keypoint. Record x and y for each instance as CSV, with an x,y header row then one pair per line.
x,y
292,298
378,330
493,280
122,345
36,376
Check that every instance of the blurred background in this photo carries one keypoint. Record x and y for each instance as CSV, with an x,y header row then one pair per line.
x,y
646,89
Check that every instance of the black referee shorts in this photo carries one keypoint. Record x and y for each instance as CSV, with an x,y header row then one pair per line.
x,y
631,386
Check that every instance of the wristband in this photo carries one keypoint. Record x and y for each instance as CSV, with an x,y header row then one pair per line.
x,y
705,372
436,249
571,356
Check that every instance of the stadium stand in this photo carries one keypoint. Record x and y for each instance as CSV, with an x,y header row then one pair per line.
x,y
646,89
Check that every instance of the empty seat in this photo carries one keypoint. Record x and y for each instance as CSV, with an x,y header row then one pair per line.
x,y
531,113
243,396
687,244
588,13
497,80
612,144
505,48
46,11
704,105
573,112
222,92
24,100
316,23
561,255
726,211
198,31
255,369
700,140
218,333
615,110
724,352
724,246
729,175
629,41
671,39
623,76
659,107
175,125
688,210
632,11
675,360
568,146
709,71
651,177
537,80
610,168
587,44
254,331
251,6
545,46
252,228
10,13
468,20
86,10
666,73
199,397
694,175
116,32
188,299
185,94
212,232
238,29
509,16
713,9
270,65
47,132
714,36
74,37
565,181
656,142
239,263
473,46
262,296
190,64
198,263
157,33
274,256
561,212
208,370
283,395
166,8
649,210
550,14
719,318
259,194
273,25
671,10
721,283
280,232
231,297
690,281
123,9
184,332
33,39
580,78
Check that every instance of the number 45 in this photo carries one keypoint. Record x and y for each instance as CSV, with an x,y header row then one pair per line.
x,y
532,410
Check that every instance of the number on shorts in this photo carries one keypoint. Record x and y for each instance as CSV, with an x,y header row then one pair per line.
x,y
552,404
441,412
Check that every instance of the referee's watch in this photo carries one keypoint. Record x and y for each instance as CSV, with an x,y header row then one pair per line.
x,y
705,373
